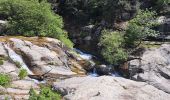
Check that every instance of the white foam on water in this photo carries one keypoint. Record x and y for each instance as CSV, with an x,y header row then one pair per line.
x,y
84,55
94,73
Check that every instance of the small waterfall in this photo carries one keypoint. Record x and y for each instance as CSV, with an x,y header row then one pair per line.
x,y
89,57
94,73
84,55
115,74
17,58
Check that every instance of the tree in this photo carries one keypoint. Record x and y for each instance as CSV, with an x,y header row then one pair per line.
x,y
32,18
141,27
85,11
162,6
112,47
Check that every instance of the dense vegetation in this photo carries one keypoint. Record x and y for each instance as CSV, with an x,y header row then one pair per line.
x,y
92,11
112,46
141,27
32,18
116,46
141,16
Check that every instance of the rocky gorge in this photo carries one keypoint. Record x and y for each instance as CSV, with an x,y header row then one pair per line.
x,y
48,61
84,50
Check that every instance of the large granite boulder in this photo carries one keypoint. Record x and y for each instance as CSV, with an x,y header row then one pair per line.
x,y
40,56
153,68
107,88
45,59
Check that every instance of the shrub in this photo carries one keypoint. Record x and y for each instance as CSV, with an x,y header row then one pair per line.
x,y
23,73
4,80
112,47
45,94
32,18
141,27
66,41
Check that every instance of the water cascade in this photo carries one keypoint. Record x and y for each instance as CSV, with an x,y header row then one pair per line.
x,y
17,58
90,57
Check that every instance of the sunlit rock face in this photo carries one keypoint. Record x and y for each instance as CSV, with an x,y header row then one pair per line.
x,y
45,60
41,55
153,68
107,88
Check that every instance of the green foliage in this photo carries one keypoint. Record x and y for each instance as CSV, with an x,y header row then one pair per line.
x,y
140,27
83,11
4,80
1,62
112,47
32,18
161,6
23,73
66,41
45,94
162,2
6,98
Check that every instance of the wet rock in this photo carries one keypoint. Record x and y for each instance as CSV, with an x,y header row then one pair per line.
x,y
104,70
153,68
88,28
107,88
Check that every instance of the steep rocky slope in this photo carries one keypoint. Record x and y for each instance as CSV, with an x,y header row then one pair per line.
x,y
45,60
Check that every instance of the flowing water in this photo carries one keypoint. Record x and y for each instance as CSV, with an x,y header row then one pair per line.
x,y
84,55
17,58
90,57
